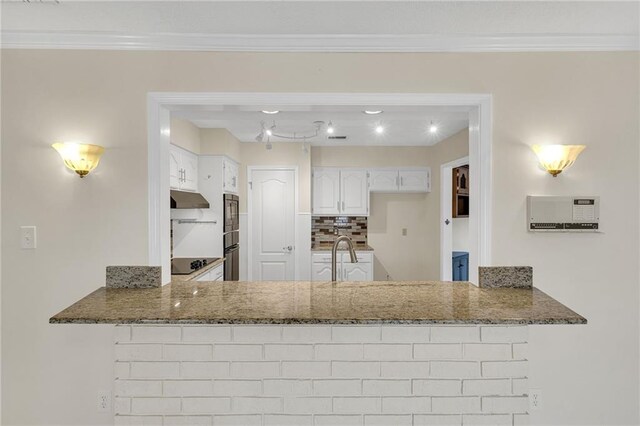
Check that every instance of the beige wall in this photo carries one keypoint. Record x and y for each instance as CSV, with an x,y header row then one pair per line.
x,y
51,373
185,134
415,256
219,142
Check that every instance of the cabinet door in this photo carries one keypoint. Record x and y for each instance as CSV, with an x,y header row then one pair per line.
x,y
326,192
322,271
189,164
175,170
205,277
230,177
217,273
415,180
234,177
354,193
383,180
357,272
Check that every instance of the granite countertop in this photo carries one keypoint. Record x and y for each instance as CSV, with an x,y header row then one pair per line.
x,y
196,274
341,246
305,302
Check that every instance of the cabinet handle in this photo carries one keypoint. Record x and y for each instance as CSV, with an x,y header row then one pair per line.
x,y
343,206
397,181
401,181
338,206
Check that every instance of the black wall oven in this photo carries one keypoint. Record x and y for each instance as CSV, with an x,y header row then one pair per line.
x,y
231,213
231,238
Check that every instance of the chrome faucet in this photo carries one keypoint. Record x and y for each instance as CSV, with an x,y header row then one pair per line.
x,y
334,254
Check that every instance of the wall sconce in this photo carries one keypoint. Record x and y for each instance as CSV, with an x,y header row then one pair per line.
x,y
79,157
556,158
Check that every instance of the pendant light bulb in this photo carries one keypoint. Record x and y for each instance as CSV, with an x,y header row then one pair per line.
x,y
330,128
433,128
379,129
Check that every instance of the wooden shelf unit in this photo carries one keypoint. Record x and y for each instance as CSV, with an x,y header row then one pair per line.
x,y
460,202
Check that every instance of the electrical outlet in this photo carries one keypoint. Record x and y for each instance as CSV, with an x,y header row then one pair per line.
x,y
28,237
404,232
535,399
104,401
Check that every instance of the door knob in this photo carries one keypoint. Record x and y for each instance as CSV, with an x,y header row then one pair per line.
x,y
288,248
447,221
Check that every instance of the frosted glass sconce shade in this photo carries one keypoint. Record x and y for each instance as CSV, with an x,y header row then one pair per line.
x,y
79,157
556,158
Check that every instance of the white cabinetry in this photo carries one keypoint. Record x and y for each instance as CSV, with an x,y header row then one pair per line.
x,y
326,191
354,193
183,169
215,274
230,184
418,180
340,192
400,180
345,270
383,180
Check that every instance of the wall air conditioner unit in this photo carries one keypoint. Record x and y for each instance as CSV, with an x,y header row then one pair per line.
x,y
563,214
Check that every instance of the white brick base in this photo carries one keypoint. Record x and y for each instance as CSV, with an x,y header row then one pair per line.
x,y
321,375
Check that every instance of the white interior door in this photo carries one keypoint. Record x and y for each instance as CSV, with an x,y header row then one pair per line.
x,y
272,230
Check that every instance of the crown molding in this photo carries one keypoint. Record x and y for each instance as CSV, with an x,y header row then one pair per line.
x,y
319,43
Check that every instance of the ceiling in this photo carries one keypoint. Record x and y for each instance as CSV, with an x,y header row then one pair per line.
x,y
403,126
324,17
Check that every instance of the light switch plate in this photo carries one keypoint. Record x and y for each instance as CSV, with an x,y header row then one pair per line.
x,y
28,237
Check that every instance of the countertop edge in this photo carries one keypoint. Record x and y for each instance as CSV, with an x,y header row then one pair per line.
x,y
298,321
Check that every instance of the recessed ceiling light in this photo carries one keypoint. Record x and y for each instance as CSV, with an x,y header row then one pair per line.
x,y
372,112
270,112
379,129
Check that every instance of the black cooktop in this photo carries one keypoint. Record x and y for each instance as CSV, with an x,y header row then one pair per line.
x,y
187,265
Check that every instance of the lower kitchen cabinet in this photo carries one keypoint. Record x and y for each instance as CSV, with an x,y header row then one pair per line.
x,y
460,266
215,274
357,271
345,270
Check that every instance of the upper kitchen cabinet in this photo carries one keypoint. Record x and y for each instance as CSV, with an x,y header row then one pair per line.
x,y
400,180
230,183
354,192
340,192
326,192
417,180
382,180
183,169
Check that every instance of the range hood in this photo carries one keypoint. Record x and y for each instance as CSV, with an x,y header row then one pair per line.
x,y
188,200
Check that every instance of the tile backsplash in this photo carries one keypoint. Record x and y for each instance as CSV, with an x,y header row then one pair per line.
x,y
325,228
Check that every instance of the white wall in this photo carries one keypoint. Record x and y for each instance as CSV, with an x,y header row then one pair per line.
x,y
460,233
51,372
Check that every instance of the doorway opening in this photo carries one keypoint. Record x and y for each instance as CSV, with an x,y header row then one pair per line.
x,y
161,106
454,220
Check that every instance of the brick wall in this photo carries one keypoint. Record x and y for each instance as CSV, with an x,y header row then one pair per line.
x,y
321,375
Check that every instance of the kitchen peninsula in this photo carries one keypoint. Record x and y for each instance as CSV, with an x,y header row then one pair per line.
x,y
305,353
